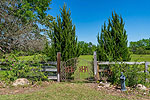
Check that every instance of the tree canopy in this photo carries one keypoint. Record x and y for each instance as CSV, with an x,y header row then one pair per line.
x,y
19,18
86,48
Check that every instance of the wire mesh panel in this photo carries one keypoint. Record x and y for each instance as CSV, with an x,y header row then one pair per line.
x,y
76,69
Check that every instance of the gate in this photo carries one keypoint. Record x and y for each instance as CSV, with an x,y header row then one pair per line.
x,y
76,69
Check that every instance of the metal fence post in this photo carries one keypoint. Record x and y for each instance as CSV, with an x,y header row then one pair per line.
x,y
146,71
58,66
95,66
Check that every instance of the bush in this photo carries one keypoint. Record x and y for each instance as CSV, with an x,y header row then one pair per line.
x,y
21,69
132,73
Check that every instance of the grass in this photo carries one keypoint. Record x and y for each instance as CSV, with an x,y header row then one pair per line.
x,y
64,91
26,58
134,57
140,58
30,58
87,57
85,61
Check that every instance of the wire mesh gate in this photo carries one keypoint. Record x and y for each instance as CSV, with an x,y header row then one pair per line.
x,y
76,69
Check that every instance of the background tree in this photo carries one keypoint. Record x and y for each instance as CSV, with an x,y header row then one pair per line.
x,y
112,42
63,38
86,48
19,18
140,47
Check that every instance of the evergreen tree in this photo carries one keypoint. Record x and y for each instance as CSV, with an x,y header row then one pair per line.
x,y
63,38
112,43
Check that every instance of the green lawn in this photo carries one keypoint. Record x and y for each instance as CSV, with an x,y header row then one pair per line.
x,y
64,91
30,58
134,57
140,58
87,57
23,58
26,58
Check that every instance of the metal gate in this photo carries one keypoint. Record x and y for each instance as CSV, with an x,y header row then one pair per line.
x,y
76,69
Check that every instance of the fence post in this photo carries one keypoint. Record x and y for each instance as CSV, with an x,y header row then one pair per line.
x,y
58,66
146,71
95,66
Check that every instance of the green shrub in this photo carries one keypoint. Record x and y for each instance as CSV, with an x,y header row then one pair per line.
x,y
133,74
21,69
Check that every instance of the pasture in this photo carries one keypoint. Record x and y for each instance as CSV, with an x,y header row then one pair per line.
x,y
134,57
140,58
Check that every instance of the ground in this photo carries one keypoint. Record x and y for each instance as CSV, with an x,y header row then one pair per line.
x,y
66,91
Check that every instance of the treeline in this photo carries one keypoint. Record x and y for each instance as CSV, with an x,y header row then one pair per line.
x,y
25,26
86,48
140,47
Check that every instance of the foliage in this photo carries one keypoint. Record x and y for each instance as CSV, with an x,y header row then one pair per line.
x,y
49,51
21,69
113,41
133,74
86,48
30,43
20,21
140,47
63,38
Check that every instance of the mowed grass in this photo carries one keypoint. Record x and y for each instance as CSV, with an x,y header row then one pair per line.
x,y
86,57
64,91
134,57
140,58
30,58
25,58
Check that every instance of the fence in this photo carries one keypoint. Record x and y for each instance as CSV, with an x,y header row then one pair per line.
x,y
55,67
51,66
97,63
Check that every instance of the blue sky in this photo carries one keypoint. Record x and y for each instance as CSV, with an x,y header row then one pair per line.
x,y
89,16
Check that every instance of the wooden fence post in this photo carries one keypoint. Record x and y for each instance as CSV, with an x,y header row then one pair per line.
x,y
95,67
58,66
146,71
